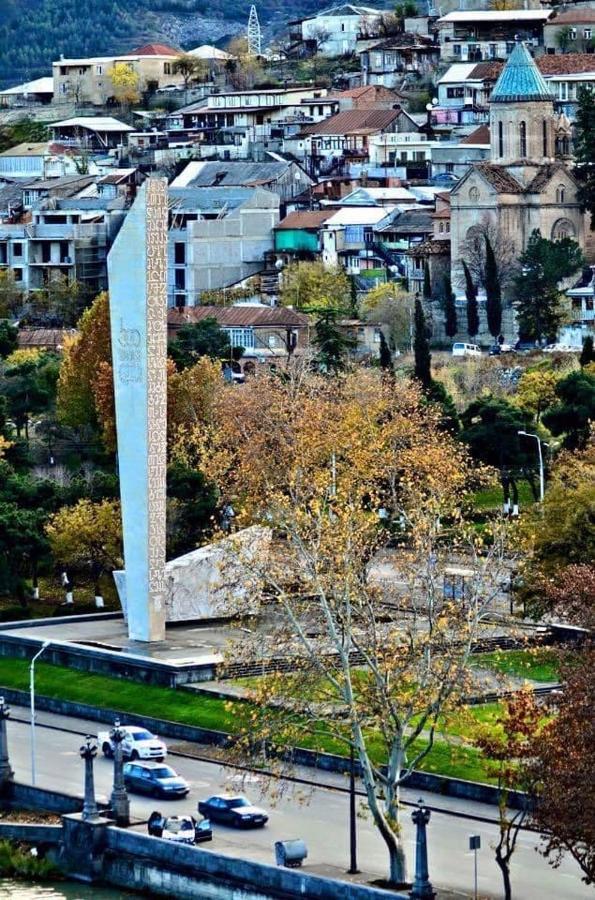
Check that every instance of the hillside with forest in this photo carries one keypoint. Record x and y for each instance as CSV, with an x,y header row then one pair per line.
x,y
33,33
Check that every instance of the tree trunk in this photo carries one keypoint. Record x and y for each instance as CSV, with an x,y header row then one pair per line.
x,y
503,865
398,864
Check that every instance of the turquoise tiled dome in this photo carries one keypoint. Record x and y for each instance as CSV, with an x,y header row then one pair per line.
x,y
520,79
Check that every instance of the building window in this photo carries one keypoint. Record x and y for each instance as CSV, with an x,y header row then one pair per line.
x,y
587,34
560,194
509,47
573,34
241,337
456,49
180,279
500,139
99,70
180,254
453,92
17,249
167,68
545,142
493,51
17,274
523,140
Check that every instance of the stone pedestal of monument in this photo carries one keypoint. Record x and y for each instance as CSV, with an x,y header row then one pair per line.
x,y
216,581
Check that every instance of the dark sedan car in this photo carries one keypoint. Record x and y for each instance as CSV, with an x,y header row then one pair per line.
x,y
233,810
154,779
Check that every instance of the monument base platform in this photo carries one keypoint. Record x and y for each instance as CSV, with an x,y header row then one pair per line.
x,y
99,643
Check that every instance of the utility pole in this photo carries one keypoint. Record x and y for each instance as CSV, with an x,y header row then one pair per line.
x,y
254,33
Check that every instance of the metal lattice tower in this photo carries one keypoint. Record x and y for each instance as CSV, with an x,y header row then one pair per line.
x,y
254,35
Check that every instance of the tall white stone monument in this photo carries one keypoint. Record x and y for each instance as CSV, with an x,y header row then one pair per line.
x,y
137,268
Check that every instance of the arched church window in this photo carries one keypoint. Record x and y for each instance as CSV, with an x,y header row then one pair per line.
x,y
523,140
560,194
545,142
563,228
500,139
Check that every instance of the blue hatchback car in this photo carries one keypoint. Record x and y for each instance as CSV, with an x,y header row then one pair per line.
x,y
155,779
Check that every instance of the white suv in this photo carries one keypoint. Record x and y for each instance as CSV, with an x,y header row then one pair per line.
x,y
138,743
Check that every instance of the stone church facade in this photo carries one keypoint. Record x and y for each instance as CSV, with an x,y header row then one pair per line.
x,y
526,186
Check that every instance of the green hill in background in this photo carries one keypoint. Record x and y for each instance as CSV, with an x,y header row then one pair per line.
x,y
33,33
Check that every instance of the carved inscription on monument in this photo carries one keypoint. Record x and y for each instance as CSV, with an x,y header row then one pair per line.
x,y
157,216
128,352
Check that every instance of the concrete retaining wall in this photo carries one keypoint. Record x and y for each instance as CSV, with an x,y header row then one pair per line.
x,y
24,796
327,762
149,864
102,661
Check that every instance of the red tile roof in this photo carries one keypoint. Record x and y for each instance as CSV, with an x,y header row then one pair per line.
x,y
306,219
582,16
550,64
354,120
481,135
239,316
155,50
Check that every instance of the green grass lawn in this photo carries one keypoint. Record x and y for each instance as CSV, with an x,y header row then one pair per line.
x,y
535,665
490,499
103,692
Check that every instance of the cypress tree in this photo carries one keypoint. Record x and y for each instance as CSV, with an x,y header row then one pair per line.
x,y
450,310
472,308
493,291
427,282
385,356
421,346
587,353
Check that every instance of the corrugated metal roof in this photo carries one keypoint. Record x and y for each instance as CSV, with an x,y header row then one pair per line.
x,y
520,80
211,199
496,16
244,316
351,121
93,123
43,85
359,215
224,174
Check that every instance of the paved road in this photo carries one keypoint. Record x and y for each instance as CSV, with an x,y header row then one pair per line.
x,y
320,816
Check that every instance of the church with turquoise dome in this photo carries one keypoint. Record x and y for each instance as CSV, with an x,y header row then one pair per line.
x,y
528,183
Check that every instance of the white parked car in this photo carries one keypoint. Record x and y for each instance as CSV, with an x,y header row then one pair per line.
x,y
461,349
561,348
138,743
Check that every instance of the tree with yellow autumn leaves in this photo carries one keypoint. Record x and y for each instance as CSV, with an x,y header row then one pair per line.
x,y
337,468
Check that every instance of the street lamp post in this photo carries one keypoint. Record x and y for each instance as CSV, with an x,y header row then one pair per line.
x,y
540,455
44,646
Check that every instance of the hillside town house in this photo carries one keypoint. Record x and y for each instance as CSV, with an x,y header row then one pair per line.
x,y
389,60
268,335
237,124
334,31
330,144
218,238
570,30
473,35
87,80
